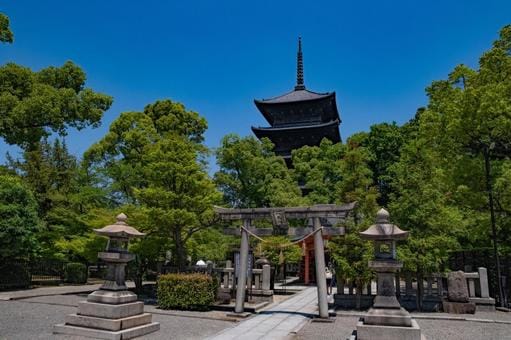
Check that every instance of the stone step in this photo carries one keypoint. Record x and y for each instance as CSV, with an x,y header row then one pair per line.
x,y
108,324
129,333
107,311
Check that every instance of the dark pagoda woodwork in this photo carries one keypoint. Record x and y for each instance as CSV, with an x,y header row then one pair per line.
x,y
300,117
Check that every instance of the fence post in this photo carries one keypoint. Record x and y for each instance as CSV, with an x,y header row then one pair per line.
x,y
483,281
266,277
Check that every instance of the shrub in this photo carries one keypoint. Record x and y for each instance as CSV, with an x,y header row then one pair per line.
x,y
75,272
186,291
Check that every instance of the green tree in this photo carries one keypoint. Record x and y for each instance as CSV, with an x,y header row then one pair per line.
x,y
318,170
211,245
65,196
357,183
154,161
179,196
474,107
5,30
383,143
351,256
18,220
35,104
118,158
251,175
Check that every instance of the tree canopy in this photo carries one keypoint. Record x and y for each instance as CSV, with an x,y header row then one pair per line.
x,y
6,34
153,160
19,223
54,99
251,175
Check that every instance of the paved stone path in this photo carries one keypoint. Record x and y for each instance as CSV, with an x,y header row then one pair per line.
x,y
276,322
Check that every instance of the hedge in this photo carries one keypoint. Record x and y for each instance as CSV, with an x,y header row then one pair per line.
x,y
75,272
186,291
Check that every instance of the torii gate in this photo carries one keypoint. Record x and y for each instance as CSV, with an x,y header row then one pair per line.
x,y
279,217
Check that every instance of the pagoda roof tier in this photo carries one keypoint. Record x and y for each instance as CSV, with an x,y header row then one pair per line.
x,y
289,138
295,96
299,107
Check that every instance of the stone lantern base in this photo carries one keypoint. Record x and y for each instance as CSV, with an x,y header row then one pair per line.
x,y
111,315
372,332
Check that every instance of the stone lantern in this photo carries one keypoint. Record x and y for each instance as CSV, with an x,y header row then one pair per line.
x,y
116,255
386,319
112,312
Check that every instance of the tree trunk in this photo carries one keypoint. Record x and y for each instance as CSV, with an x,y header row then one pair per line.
x,y
420,290
359,294
180,250
489,189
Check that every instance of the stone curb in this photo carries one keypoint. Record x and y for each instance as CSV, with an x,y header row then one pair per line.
x,y
427,317
199,317
152,312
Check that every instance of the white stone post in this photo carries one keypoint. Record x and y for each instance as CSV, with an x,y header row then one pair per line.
x,y
266,277
242,273
319,254
483,281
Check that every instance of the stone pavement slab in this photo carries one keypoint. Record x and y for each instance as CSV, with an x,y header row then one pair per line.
x,y
277,322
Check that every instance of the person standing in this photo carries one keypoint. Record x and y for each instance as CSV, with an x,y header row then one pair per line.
x,y
329,277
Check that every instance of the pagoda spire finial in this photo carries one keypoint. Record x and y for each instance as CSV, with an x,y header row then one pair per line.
x,y
299,67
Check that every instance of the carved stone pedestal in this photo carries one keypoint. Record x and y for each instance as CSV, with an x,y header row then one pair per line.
x,y
109,315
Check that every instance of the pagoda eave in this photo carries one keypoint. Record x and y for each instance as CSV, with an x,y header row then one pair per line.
x,y
273,108
286,139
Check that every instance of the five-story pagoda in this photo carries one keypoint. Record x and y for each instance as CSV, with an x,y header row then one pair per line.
x,y
300,117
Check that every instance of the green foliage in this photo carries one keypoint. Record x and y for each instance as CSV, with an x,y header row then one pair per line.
x,y
120,157
428,254
35,104
318,168
65,196
383,143
79,247
210,245
5,31
279,249
351,256
153,160
251,175
75,272
357,184
18,220
186,291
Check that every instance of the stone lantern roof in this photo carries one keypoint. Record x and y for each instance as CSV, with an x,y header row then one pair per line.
x,y
120,229
383,229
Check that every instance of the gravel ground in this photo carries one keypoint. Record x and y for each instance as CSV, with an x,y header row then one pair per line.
x,y
21,320
432,329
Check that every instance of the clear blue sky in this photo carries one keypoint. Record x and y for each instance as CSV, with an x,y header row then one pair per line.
x,y
217,56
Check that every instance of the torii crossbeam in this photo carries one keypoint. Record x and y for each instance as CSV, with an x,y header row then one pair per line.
x,y
279,217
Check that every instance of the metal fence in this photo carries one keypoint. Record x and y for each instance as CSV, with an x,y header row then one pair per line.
x,y
24,273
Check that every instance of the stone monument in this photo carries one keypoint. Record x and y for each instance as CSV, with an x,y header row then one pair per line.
x,y
386,319
458,301
112,312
